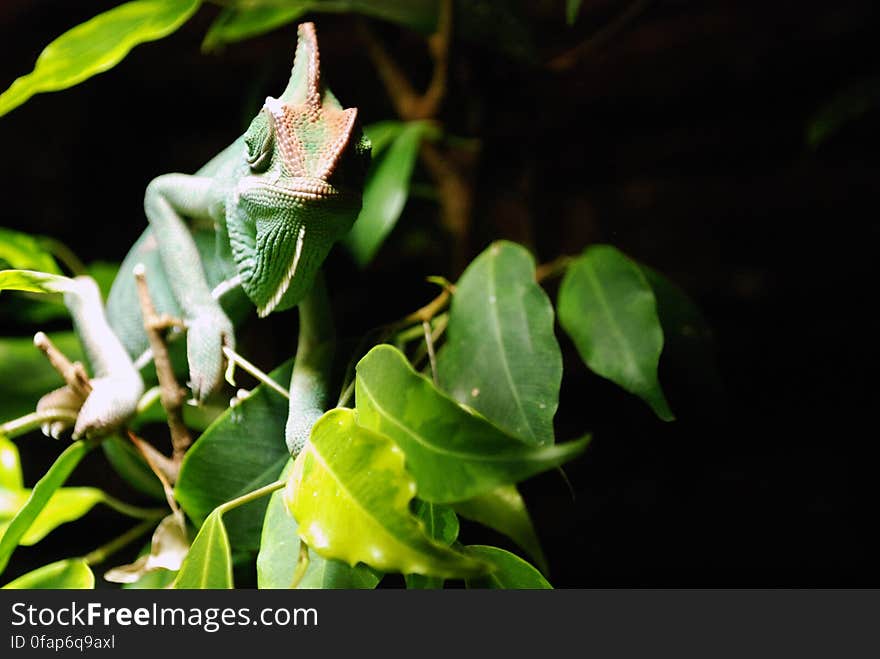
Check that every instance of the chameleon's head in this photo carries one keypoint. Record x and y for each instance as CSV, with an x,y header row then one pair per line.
x,y
307,158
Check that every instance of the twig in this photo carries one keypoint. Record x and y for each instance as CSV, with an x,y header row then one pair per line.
x,y
166,470
173,396
74,373
429,346
103,552
235,358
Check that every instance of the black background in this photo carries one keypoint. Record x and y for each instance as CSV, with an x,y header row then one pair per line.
x,y
681,142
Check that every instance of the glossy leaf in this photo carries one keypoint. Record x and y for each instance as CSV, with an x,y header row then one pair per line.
x,y
350,494
279,551
19,396
23,251
208,565
385,193
511,572
44,489
168,548
504,510
33,281
97,45
67,504
572,9
453,454
241,451
441,524
245,22
608,308
501,356
10,468
69,574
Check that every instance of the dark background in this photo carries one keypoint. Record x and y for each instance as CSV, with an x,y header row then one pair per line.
x,y
681,141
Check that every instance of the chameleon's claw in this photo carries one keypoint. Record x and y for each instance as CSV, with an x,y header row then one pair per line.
x,y
55,429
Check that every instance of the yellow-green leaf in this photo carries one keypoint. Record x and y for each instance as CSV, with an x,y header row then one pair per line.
x,y
208,565
23,251
350,494
69,574
33,281
10,468
97,45
239,23
511,572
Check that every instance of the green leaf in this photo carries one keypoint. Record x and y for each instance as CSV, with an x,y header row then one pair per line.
x,y
572,9
454,455
19,396
441,524
69,574
501,356
23,251
66,505
208,565
241,451
34,282
511,572
350,494
10,467
608,308
504,510
382,133
846,106
385,192
240,23
279,551
97,45
40,495
129,464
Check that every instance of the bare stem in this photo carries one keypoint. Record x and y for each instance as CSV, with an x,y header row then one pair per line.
x,y
173,396
235,358
302,564
166,470
74,373
103,552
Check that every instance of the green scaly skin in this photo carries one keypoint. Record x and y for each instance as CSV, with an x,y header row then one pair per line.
x,y
252,227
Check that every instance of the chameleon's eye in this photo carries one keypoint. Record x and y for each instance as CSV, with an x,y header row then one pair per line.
x,y
259,142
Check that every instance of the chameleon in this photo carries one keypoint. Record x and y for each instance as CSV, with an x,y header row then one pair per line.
x,y
250,229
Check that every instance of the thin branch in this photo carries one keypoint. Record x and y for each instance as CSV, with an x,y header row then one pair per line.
x,y
429,346
235,358
103,552
166,470
173,396
74,373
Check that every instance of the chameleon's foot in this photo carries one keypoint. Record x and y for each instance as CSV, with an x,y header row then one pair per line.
x,y
207,333
111,403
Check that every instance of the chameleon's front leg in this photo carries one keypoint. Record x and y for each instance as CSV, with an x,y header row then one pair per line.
x,y
309,383
168,199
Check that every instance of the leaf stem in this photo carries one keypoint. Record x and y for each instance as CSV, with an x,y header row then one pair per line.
x,y
103,552
132,511
235,358
250,496
302,564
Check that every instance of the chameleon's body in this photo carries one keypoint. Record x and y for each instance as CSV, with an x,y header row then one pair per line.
x,y
253,225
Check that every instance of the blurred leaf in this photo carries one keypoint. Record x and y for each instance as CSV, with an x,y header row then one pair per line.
x,y
385,192
279,551
572,9
104,273
35,282
350,494
241,451
69,574
504,510
381,134
154,580
10,467
454,455
168,548
208,565
25,252
501,356
97,45
19,396
129,464
441,524
419,15
40,496
244,22
846,106
608,308
511,572
496,25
